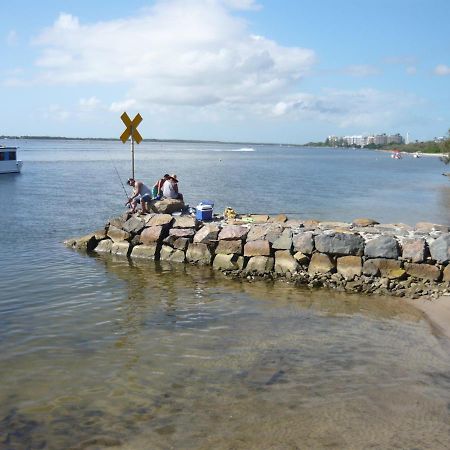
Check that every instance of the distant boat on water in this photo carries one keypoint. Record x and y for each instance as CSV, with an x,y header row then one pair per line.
x,y
396,154
8,160
417,155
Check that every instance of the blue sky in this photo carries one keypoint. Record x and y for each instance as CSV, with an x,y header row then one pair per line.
x,y
233,70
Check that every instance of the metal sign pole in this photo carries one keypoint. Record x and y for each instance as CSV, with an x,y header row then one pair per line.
x,y
132,154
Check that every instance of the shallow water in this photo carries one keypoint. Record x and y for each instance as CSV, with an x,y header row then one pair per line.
x,y
98,352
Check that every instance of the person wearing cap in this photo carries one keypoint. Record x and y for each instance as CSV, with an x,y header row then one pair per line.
x,y
141,194
170,188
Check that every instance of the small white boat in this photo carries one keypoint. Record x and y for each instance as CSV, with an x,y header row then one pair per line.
x,y
417,155
8,160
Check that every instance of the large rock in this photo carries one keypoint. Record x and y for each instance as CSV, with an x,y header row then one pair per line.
x,y
230,247
120,248
304,242
340,244
320,263
349,266
184,222
260,265
181,243
207,234
134,225
382,247
364,222
152,234
428,227
446,274
171,254
167,206
285,262
414,250
284,242
228,262
199,254
232,232
117,234
387,268
150,251
104,246
269,231
423,271
118,221
160,220
257,248
87,243
301,258
182,232
440,248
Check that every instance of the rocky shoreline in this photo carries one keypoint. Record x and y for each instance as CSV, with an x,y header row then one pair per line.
x,y
362,256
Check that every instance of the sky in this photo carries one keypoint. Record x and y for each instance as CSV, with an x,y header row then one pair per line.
x,y
285,71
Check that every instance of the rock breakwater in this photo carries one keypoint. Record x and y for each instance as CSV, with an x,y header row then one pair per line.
x,y
362,256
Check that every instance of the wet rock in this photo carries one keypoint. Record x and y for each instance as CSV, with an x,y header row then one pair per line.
x,y
117,234
120,248
301,258
165,252
382,247
340,244
167,206
320,263
285,262
387,268
257,248
150,251
86,243
414,250
160,220
228,262
152,234
260,265
199,254
230,247
284,242
133,225
423,271
181,243
364,222
440,249
349,266
104,246
178,256
207,234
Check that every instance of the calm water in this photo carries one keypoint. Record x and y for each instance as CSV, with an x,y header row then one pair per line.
x,y
99,352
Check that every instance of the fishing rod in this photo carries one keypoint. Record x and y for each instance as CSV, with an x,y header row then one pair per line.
x,y
121,183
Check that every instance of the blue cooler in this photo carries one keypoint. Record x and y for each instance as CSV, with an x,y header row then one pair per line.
x,y
204,210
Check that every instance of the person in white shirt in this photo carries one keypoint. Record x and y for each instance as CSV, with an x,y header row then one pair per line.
x,y
170,188
141,194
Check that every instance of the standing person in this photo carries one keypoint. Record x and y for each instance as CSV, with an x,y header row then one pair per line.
x,y
170,188
157,190
141,194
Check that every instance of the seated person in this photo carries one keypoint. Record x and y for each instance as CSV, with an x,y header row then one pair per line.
x,y
170,188
141,194
157,191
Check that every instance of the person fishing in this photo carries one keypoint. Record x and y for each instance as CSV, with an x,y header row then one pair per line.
x,y
141,194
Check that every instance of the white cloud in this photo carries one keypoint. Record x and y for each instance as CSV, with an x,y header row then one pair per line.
x,y
179,52
361,70
411,70
442,70
90,103
55,112
12,38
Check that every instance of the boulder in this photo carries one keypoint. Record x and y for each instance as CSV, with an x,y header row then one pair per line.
x,y
228,262
364,222
260,265
387,268
118,221
199,254
320,263
428,227
181,244
304,242
150,251
285,262
269,231
117,234
167,206
182,232
184,222
104,246
440,249
301,258
414,250
120,248
349,266
382,247
134,225
284,242
340,243
160,220
280,218
165,252
170,254
423,271
87,243
446,274
257,248
232,232
259,218
230,247
207,234
152,234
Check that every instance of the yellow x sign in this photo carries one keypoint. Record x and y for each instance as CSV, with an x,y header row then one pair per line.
x,y
131,128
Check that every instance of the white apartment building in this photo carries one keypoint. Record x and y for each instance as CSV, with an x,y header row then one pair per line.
x,y
362,141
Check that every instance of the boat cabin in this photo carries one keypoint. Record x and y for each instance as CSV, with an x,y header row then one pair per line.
x,y
8,154
8,160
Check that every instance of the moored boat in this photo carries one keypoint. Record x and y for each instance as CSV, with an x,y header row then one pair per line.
x,y
8,160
